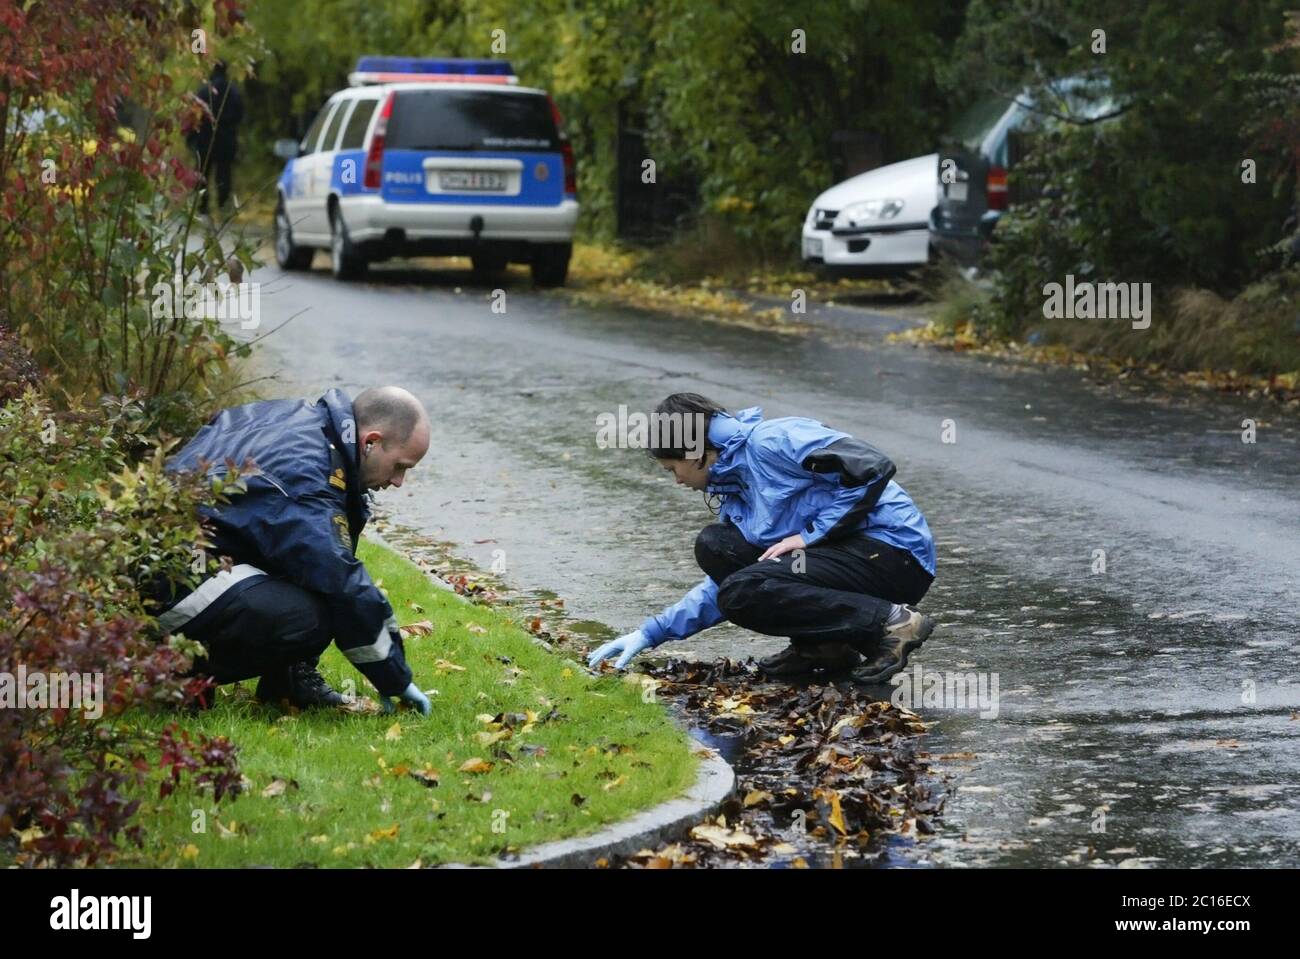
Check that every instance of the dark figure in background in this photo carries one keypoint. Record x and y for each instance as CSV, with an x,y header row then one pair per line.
x,y
215,140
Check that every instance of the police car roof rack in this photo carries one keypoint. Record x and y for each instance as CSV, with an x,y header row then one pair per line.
x,y
432,69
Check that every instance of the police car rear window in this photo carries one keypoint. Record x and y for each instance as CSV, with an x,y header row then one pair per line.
x,y
471,120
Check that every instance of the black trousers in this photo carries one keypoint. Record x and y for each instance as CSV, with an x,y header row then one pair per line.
x,y
265,628
220,167
836,592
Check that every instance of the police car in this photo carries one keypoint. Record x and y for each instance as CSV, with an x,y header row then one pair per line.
x,y
430,157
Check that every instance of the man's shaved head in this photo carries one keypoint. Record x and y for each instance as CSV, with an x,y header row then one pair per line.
x,y
390,409
393,433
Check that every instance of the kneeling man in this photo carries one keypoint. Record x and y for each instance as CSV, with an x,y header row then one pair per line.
x,y
291,580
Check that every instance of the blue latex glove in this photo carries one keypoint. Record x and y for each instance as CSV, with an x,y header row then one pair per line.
x,y
625,647
410,695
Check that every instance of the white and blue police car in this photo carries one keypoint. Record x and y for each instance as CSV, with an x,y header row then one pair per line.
x,y
430,157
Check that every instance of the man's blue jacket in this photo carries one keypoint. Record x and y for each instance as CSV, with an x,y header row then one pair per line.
x,y
298,520
794,475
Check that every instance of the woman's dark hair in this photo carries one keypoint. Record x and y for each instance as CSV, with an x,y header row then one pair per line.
x,y
668,441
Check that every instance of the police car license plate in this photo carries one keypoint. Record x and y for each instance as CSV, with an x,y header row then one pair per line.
x,y
466,180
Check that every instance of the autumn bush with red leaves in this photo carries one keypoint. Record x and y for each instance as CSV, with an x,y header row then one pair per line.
x,y
85,528
98,202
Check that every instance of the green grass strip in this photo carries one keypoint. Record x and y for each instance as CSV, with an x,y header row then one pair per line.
x,y
348,790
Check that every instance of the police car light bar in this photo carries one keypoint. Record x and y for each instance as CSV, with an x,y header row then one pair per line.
x,y
441,70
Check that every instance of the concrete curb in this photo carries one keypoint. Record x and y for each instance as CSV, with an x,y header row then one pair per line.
x,y
715,781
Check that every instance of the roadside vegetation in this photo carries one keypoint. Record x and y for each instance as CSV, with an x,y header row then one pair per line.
x,y
103,371
741,123
96,189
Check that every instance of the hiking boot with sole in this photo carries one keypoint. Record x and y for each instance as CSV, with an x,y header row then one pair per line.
x,y
797,660
301,684
898,643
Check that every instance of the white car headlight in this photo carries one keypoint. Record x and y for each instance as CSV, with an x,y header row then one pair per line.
x,y
857,214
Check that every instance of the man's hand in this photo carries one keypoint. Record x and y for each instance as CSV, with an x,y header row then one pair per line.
x,y
410,695
789,544
625,647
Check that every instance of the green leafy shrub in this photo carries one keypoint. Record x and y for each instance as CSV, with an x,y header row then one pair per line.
x,y
83,527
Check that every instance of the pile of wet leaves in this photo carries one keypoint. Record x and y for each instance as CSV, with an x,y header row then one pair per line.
x,y
827,774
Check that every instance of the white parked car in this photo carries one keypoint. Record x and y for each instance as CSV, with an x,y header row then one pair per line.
x,y
876,223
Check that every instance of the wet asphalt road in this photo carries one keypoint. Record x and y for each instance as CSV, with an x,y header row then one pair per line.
x,y
1146,715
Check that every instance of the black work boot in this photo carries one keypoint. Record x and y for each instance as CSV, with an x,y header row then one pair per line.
x,y
796,660
898,642
301,684
778,660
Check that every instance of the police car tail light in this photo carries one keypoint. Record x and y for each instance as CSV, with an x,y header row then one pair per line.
x,y
566,149
375,156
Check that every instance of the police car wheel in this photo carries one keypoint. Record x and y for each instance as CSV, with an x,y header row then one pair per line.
x,y
287,255
346,263
551,264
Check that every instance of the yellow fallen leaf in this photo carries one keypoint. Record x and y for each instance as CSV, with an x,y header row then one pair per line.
x,y
721,837
380,834
476,628
837,815
756,796
856,722
616,782
394,732
490,738
422,628
319,840
190,851
475,765
443,664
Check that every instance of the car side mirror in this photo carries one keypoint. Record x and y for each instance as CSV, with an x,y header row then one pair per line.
x,y
287,149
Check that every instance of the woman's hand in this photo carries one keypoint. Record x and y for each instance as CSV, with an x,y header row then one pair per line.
x,y
625,647
789,544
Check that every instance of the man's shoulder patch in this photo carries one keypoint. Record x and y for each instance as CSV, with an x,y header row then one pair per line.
x,y
338,477
341,528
